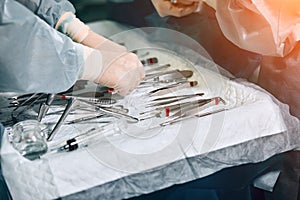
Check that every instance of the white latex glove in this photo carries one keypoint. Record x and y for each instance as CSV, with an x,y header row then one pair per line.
x,y
108,63
120,69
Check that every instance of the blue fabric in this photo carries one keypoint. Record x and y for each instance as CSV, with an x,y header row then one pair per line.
x,y
235,183
4,193
34,57
48,10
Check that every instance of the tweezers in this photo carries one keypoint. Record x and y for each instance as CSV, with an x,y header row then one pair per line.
x,y
181,106
196,107
172,88
171,99
173,121
175,73
160,67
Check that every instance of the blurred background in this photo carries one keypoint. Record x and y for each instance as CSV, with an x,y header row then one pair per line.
x,y
201,26
130,12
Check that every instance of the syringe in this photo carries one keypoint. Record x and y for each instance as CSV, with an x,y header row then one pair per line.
x,y
80,141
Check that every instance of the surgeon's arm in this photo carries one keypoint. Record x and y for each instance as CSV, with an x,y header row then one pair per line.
x,y
33,56
55,12
48,10
109,64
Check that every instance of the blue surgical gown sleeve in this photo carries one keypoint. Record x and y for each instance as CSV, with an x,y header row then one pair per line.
x,y
34,57
48,10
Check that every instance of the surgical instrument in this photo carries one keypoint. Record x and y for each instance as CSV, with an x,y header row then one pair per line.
x,y
82,140
177,96
171,99
149,61
57,147
159,67
172,88
68,108
174,76
173,121
83,119
44,107
180,109
178,74
118,113
62,100
102,101
27,100
26,96
196,107
14,116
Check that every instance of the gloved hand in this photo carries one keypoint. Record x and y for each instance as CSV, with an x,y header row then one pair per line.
x,y
106,63
178,8
111,65
119,69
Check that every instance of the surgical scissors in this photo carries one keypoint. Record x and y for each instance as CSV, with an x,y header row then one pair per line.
x,y
61,120
113,111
